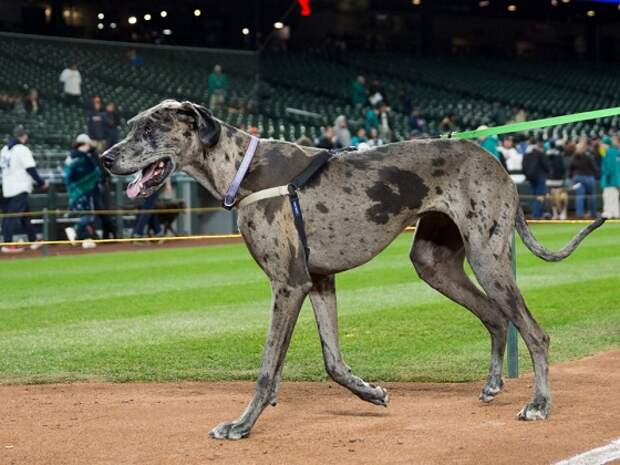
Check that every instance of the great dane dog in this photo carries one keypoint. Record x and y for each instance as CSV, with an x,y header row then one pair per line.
x,y
463,203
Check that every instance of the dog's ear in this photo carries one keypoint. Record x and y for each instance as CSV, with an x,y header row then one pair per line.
x,y
208,128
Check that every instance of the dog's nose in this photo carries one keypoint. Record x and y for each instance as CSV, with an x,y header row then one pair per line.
x,y
107,159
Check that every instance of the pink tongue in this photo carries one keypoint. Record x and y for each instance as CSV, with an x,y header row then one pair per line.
x,y
135,187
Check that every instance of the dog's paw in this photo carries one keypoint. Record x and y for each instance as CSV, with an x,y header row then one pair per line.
x,y
230,430
490,390
535,411
377,396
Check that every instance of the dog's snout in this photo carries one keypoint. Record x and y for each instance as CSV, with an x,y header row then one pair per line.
x,y
107,159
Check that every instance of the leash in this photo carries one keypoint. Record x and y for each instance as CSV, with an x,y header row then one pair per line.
x,y
534,124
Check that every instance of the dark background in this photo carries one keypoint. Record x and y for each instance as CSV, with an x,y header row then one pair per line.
x,y
538,29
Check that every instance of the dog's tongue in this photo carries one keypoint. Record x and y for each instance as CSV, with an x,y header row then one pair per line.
x,y
135,186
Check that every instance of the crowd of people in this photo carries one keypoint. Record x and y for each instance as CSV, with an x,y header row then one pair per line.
x,y
553,169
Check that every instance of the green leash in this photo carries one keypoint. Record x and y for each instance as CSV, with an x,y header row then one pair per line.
x,y
534,124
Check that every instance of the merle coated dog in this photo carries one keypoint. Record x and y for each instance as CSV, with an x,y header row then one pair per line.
x,y
462,201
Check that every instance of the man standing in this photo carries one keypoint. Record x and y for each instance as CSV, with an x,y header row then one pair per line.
x,y
18,174
72,84
217,85
96,123
536,170
610,177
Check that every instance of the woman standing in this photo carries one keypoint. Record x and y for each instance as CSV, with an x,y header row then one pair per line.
x,y
583,172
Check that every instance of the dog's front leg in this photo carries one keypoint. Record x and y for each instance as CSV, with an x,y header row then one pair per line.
x,y
287,301
323,298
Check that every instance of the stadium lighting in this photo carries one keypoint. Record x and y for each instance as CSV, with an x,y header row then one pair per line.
x,y
484,3
197,12
565,1
278,25
619,6
132,20
591,13
100,26
163,13
512,8
554,2
416,2
245,31
112,25
100,16
147,17
167,32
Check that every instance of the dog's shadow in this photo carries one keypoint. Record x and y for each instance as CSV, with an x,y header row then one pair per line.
x,y
355,413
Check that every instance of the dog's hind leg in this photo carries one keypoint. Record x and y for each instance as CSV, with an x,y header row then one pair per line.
x,y
323,298
438,254
287,301
492,265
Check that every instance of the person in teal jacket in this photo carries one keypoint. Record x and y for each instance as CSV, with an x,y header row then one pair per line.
x,y
372,119
82,176
359,93
610,177
490,144
217,84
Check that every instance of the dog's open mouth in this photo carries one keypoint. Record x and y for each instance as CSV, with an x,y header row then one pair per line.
x,y
148,177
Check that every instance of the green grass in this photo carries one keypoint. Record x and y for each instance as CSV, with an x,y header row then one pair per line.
x,y
202,313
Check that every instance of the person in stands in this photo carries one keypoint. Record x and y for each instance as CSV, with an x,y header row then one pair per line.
x,y
536,169
583,172
71,80
610,177
19,173
82,177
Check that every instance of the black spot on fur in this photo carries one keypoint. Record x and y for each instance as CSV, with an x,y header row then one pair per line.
x,y
348,174
321,207
438,190
251,225
395,191
470,215
347,190
472,202
492,229
498,285
438,173
437,162
271,207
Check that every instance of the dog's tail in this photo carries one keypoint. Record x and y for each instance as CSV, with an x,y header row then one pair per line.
x,y
537,249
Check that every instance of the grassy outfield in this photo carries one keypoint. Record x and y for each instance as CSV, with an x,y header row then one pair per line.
x,y
202,313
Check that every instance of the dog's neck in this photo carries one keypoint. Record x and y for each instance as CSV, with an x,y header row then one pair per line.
x,y
275,163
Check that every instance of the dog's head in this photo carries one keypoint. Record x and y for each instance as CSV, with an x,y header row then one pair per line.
x,y
161,140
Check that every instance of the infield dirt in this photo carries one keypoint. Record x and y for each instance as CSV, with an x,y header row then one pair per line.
x,y
314,423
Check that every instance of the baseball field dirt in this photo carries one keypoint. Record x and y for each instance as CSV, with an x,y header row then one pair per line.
x,y
314,423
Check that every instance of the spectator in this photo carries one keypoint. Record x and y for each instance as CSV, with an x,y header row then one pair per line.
x,y
583,172
536,170
359,92
147,217
489,144
359,137
81,177
101,195
72,84
327,140
372,119
514,160
217,86
447,124
417,125
376,94
134,58
610,177
385,130
556,181
96,124
18,174
343,135
373,138
32,104
111,124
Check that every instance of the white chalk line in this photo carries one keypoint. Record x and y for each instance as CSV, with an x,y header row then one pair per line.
x,y
598,456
